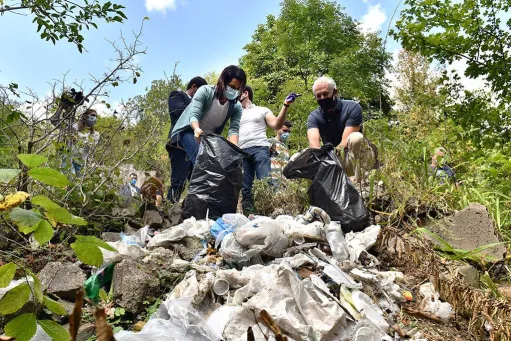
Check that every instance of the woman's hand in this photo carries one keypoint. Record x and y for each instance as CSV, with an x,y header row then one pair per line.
x,y
197,133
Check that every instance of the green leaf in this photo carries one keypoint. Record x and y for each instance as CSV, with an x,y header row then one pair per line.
x,y
54,306
103,295
14,299
54,330
89,254
22,327
38,291
26,220
32,160
96,241
56,212
44,232
49,176
87,249
7,175
7,272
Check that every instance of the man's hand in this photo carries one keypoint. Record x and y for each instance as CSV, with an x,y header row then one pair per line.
x,y
291,98
341,151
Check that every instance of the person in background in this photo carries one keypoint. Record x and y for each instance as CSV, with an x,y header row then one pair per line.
x,y
440,169
180,165
209,111
338,122
84,139
134,189
253,140
152,189
279,152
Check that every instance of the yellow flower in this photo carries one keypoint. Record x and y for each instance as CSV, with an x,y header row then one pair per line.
x,y
13,200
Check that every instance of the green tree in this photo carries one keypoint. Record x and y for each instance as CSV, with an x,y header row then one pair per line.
x,y
311,38
473,31
63,19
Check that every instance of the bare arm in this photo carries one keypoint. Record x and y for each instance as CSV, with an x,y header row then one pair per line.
x,y
314,138
346,134
276,123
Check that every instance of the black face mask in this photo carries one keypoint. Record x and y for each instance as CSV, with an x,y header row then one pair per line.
x,y
327,103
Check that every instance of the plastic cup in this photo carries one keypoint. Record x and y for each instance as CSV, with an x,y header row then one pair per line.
x,y
220,287
298,239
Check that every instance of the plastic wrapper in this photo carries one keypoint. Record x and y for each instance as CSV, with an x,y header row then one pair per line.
x,y
175,320
225,225
262,234
330,190
359,242
189,228
233,252
433,304
292,308
193,286
335,238
216,179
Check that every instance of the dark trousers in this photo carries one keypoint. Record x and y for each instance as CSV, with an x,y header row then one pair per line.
x,y
257,165
181,169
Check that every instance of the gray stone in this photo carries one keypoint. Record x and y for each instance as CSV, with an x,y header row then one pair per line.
x,y
133,284
175,214
62,279
84,332
111,236
153,219
470,275
469,229
189,247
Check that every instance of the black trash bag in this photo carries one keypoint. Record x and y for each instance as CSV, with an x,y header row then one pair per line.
x,y
330,190
216,179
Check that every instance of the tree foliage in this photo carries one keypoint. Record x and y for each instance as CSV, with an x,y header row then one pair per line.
x,y
473,31
63,19
311,38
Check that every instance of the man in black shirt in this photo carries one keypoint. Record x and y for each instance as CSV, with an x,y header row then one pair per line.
x,y
337,122
180,165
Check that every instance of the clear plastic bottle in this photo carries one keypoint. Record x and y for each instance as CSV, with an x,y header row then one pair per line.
x,y
335,238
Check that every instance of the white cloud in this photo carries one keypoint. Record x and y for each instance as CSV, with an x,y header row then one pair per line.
x,y
373,20
470,84
160,5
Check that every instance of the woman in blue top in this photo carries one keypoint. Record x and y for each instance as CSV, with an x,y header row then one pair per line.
x,y
209,111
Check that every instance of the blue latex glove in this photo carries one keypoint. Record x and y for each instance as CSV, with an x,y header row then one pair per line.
x,y
291,97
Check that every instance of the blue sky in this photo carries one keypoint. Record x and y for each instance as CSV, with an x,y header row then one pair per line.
x,y
202,35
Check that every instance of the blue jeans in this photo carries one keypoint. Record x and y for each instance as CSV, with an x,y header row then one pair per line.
x,y
181,169
258,164
187,141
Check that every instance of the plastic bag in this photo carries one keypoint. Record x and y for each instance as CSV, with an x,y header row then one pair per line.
x,y
263,234
216,179
225,225
233,252
95,282
175,320
330,190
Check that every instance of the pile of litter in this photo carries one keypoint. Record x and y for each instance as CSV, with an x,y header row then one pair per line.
x,y
287,278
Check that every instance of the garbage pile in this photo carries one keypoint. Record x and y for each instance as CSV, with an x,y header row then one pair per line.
x,y
289,278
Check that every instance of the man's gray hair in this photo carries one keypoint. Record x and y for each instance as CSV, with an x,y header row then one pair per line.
x,y
324,79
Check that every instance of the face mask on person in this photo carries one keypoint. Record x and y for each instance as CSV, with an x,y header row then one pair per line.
x,y
327,103
91,120
231,93
133,182
284,137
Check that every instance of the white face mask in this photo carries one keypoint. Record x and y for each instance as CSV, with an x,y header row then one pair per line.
x,y
231,93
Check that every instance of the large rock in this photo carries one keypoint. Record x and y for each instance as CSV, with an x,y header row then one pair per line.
x,y
153,219
62,279
134,283
469,229
111,236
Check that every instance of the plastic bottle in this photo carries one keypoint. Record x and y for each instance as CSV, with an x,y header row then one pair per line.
x,y
335,238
